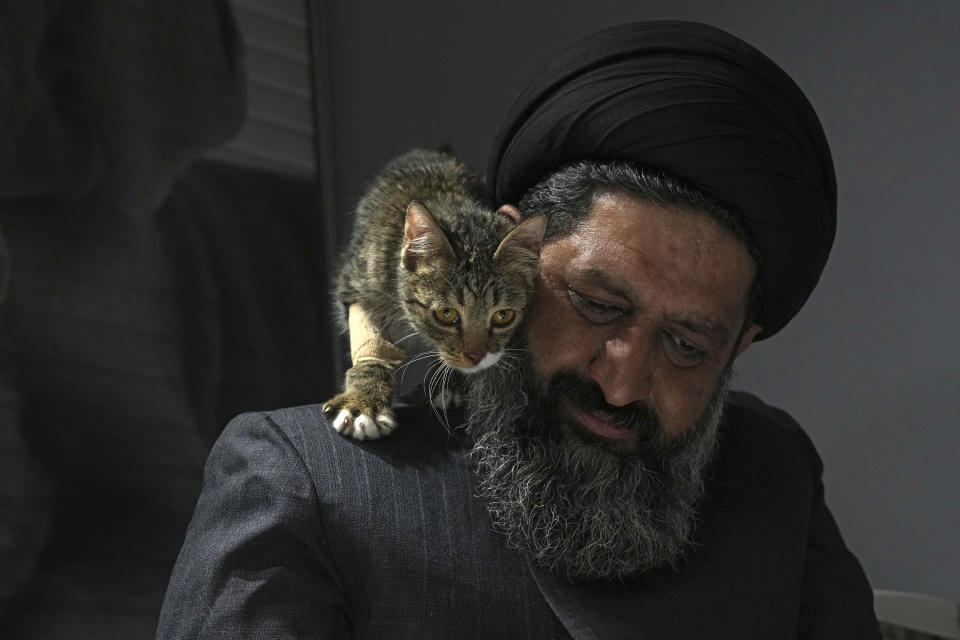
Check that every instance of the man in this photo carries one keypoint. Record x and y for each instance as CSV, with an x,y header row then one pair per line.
x,y
604,483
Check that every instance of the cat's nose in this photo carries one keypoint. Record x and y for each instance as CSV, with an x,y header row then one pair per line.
x,y
473,356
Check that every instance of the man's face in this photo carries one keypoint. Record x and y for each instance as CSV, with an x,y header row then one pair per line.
x,y
647,303
589,447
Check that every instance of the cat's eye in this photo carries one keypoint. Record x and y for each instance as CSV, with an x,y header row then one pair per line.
x,y
502,318
446,316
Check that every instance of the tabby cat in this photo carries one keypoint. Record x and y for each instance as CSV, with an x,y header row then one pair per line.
x,y
426,256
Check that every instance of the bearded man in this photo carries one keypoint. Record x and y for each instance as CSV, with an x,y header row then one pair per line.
x,y
604,482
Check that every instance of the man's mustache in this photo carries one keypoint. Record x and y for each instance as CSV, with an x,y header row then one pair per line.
x,y
586,395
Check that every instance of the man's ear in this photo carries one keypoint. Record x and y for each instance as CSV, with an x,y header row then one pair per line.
x,y
423,238
747,338
511,212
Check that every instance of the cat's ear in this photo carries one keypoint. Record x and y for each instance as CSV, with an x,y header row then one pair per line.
x,y
524,241
423,238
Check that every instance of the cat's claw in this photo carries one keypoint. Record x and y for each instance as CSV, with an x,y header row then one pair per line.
x,y
364,426
386,423
343,423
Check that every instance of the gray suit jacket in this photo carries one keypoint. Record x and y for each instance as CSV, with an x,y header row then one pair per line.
x,y
301,533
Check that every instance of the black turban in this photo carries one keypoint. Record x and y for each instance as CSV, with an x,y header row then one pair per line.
x,y
700,104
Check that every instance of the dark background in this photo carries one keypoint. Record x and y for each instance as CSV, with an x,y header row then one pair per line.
x,y
871,365
152,295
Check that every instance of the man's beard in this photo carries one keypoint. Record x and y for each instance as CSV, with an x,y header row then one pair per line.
x,y
584,508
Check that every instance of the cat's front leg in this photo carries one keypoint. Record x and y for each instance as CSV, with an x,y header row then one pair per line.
x,y
363,411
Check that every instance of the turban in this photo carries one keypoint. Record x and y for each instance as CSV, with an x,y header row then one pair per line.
x,y
702,105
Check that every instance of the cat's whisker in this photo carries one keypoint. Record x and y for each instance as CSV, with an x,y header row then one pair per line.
x,y
443,373
392,295
446,384
514,356
406,337
435,380
507,365
435,366
509,357
430,377
417,358
398,323
433,406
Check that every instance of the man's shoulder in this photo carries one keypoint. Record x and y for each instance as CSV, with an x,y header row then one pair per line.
x,y
747,410
420,437
768,433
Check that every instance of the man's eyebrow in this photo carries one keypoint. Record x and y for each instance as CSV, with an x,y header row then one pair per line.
x,y
603,280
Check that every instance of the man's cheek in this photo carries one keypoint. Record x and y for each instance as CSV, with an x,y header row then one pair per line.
x,y
552,333
554,346
682,401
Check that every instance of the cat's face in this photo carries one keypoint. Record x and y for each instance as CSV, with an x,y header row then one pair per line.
x,y
470,325
468,308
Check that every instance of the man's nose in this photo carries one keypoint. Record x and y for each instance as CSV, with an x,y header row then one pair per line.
x,y
624,367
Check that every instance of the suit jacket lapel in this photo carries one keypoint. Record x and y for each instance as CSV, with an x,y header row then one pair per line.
x,y
563,599
639,608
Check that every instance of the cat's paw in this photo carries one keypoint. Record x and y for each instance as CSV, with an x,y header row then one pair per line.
x,y
447,398
357,417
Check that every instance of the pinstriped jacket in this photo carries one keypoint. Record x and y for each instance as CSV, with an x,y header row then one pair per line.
x,y
301,533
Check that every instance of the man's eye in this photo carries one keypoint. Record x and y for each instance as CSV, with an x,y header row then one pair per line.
x,y
594,311
681,352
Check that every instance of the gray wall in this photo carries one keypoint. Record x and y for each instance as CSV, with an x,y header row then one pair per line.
x,y
870,366
277,132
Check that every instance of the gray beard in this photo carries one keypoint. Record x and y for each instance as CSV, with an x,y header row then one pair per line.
x,y
572,505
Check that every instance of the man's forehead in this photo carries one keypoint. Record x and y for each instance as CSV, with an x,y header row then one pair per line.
x,y
638,251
